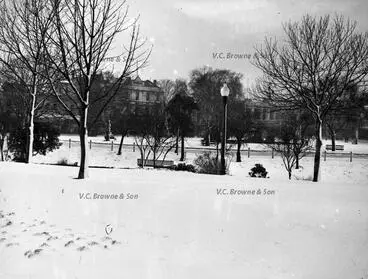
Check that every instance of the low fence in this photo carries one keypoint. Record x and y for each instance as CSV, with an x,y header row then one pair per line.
x,y
113,146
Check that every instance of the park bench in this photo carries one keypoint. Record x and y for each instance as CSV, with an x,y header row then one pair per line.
x,y
159,163
337,147
203,142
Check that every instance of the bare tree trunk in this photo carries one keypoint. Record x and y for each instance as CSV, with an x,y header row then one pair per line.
x,y
182,148
121,142
154,155
296,161
108,131
289,175
2,148
333,137
209,136
177,142
333,141
83,135
217,151
238,155
31,127
356,135
317,156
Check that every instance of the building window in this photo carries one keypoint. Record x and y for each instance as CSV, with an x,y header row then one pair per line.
x,y
272,115
142,96
147,96
133,95
264,113
153,97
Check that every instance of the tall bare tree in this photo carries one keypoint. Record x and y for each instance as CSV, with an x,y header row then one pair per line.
x,y
319,60
23,27
83,32
180,109
242,124
168,87
205,84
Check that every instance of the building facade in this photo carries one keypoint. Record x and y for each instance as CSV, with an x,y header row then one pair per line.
x,y
134,96
139,95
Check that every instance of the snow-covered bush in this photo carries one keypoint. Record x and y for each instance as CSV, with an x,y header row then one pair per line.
x,y
184,167
258,171
62,162
210,164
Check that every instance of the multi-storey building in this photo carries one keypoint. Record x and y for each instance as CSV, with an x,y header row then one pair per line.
x,y
134,96
139,95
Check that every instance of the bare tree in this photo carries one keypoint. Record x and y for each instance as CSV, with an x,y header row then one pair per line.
x,y
241,124
168,87
293,142
205,84
179,110
23,27
152,136
320,58
83,33
347,113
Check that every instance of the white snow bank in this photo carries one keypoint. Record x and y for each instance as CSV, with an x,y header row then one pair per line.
x,y
180,227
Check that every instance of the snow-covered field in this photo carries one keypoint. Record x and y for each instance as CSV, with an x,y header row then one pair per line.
x,y
100,154
179,225
362,147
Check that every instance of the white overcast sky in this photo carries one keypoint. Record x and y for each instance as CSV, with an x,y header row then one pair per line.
x,y
186,33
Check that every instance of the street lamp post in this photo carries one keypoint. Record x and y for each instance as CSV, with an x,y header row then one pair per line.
x,y
224,93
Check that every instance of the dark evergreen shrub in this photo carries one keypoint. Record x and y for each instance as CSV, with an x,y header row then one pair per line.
x,y
258,171
183,167
45,139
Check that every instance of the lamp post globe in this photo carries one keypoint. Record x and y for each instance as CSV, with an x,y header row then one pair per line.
x,y
225,91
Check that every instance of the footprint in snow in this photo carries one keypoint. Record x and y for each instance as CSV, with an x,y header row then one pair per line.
x,y
82,248
44,245
30,253
52,238
8,223
70,242
41,234
92,243
12,244
2,239
115,242
106,238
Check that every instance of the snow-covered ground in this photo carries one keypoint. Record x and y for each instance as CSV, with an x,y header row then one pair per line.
x,y
178,224
100,154
362,147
